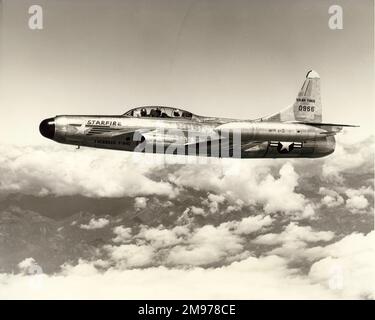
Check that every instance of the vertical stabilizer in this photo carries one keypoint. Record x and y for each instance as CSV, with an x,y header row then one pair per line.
x,y
308,105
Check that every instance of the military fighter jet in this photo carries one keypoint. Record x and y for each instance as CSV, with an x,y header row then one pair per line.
x,y
295,132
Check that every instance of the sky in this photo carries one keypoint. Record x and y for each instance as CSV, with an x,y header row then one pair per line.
x,y
138,226
236,59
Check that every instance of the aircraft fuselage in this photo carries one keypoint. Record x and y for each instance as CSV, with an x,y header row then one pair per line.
x,y
294,132
202,136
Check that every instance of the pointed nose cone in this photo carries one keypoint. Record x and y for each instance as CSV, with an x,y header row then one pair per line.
x,y
47,128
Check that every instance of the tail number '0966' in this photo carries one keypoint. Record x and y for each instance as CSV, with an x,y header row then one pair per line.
x,y
306,108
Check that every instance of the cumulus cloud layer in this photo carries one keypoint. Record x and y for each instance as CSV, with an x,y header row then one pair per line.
x,y
262,278
62,171
276,185
345,270
237,229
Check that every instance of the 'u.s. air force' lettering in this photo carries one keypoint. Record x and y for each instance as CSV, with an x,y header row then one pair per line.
x,y
103,123
285,147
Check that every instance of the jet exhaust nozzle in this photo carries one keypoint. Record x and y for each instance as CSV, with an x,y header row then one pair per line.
x,y
47,128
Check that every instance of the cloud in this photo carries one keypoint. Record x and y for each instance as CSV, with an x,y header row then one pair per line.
x,y
344,270
294,232
262,278
292,242
239,229
189,244
250,184
284,199
95,224
331,198
366,191
161,237
122,234
348,266
65,171
356,201
213,201
230,185
250,224
206,245
198,211
29,266
140,203
237,205
350,154
130,255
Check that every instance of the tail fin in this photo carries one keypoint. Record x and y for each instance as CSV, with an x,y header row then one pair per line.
x,y
308,105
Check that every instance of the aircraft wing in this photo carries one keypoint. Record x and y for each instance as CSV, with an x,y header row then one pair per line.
x,y
113,132
322,124
331,128
129,132
166,136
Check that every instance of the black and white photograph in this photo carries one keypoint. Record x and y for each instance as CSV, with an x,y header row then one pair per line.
x,y
165,150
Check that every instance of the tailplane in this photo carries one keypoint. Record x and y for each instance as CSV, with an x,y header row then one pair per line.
x,y
308,105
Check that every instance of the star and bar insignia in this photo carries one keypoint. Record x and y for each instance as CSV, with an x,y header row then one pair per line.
x,y
285,146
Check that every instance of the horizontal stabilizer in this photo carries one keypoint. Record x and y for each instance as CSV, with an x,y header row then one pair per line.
x,y
321,124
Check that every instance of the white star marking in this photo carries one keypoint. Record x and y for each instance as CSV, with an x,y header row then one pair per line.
x,y
285,146
82,128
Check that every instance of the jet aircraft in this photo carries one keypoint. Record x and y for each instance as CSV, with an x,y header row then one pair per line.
x,y
295,132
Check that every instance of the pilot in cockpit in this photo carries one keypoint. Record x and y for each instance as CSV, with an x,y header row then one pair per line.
x,y
176,113
143,112
156,113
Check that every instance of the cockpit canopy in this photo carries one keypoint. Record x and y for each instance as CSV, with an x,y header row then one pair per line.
x,y
158,112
